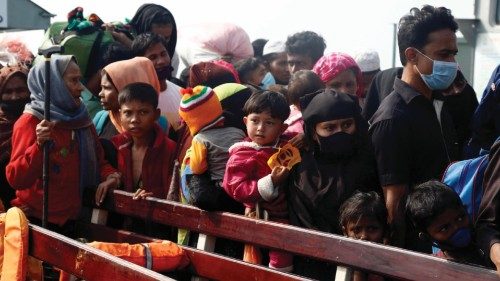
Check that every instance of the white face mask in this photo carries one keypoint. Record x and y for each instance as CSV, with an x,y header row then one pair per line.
x,y
443,74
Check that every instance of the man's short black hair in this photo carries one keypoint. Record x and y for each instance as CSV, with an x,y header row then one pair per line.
x,y
116,52
272,102
429,200
307,43
144,41
142,92
415,27
363,204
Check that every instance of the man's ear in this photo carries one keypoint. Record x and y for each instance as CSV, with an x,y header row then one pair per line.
x,y
245,120
411,55
157,113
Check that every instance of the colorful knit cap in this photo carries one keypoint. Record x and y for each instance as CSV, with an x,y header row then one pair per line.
x,y
329,66
200,108
233,97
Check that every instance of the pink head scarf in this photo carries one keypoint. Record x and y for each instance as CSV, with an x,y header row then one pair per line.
x,y
329,66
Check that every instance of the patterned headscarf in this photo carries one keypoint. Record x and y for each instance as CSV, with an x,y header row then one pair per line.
x,y
66,113
8,71
211,74
329,66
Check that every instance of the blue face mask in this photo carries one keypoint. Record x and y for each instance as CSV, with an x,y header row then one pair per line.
x,y
460,239
443,74
267,81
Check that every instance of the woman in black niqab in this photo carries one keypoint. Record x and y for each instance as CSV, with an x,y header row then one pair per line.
x,y
335,165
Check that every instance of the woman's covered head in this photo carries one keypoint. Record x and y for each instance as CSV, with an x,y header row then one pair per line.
x,y
340,72
117,75
156,19
65,91
14,93
333,122
65,82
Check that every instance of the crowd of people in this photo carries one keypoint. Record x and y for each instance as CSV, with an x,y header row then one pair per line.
x,y
373,143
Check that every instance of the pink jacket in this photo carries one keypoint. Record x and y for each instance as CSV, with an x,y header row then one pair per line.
x,y
248,179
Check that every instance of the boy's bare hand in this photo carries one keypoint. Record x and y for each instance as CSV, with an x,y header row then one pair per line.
x,y
43,131
112,181
141,194
279,175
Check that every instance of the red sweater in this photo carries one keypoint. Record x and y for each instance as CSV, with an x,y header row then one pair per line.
x,y
156,166
248,179
24,172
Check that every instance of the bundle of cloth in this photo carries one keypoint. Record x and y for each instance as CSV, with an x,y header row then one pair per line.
x,y
212,41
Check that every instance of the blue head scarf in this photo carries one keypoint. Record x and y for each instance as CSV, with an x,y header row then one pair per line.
x,y
66,113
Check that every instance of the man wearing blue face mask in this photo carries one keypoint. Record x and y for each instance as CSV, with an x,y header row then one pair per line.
x,y
412,135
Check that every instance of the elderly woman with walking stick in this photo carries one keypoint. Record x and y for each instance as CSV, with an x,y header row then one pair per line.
x,y
76,159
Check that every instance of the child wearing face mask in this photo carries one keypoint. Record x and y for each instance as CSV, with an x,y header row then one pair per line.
x,y
364,216
439,215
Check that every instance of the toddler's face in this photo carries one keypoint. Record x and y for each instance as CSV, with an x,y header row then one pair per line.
x,y
262,128
444,226
366,228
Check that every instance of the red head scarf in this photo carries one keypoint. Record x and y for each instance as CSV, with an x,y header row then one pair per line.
x,y
329,66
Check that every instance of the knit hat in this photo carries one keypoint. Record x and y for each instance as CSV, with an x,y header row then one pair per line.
x,y
200,108
273,46
368,61
233,97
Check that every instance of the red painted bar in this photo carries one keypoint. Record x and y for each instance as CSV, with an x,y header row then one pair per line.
x,y
384,260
